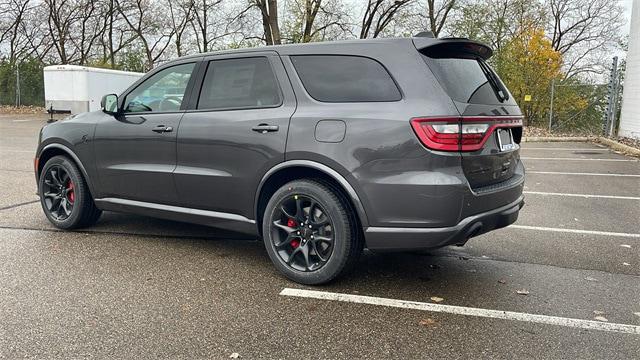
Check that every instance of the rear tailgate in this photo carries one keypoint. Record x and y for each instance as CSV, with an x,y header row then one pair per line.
x,y
490,121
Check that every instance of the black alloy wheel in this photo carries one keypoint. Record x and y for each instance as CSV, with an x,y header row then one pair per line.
x,y
65,196
302,233
310,231
58,192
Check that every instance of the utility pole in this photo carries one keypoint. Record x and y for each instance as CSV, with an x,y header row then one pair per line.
x,y
609,118
17,85
553,88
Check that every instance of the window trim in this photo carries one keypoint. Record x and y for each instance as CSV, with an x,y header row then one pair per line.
x,y
205,66
188,92
395,82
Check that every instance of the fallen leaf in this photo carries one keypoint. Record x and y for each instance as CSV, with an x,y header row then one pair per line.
x,y
427,322
626,264
598,312
502,281
601,318
234,356
523,292
589,278
626,246
437,299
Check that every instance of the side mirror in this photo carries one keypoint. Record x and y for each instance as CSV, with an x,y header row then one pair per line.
x,y
109,104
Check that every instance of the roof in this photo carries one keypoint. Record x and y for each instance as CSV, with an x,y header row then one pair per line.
x,y
304,48
89,69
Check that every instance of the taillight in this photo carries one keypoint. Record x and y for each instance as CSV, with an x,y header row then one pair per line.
x,y
459,133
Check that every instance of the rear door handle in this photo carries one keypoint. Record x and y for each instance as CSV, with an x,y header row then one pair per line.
x,y
265,128
162,129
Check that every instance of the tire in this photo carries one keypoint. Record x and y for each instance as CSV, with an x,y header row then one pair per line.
x,y
71,206
310,232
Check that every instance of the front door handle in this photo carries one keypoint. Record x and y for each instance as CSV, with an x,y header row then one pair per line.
x,y
265,128
162,129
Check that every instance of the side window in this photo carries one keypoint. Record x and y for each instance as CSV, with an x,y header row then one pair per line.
x,y
239,83
163,91
341,78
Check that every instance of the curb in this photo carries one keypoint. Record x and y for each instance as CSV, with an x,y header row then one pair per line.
x,y
619,146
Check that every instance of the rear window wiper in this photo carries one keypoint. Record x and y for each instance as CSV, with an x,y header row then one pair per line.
x,y
496,85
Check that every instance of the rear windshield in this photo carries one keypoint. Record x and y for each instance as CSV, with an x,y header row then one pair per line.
x,y
342,78
465,81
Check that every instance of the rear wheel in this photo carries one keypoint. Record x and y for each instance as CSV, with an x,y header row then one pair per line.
x,y
65,196
309,233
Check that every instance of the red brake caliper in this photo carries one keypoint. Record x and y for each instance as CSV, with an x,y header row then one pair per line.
x,y
70,193
292,224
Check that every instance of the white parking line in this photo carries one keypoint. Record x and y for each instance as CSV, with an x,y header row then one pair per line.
x,y
463,310
563,149
587,196
577,159
24,120
18,151
580,173
575,231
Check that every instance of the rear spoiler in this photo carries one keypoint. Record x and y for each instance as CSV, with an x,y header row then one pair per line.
x,y
452,47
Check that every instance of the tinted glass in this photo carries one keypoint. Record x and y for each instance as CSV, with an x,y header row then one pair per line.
x,y
163,91
337,78
239,83
464,80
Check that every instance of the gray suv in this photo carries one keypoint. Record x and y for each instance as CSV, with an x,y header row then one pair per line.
x,y
319,149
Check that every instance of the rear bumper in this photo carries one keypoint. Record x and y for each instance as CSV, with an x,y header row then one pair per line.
x,y
396,238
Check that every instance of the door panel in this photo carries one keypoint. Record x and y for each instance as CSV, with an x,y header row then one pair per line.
x,y
133,161
223,153
136,150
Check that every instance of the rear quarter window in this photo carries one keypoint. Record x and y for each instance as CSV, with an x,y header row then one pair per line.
x,y
464,80
343,78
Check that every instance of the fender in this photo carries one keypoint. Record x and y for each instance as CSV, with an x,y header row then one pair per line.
x,y
355,199
73,156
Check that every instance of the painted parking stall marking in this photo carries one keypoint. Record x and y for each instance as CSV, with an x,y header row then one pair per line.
x,y
565,149
587,196
576,159
463,310
574,231
582,173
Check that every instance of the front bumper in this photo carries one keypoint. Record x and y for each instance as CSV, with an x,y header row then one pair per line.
x,y
395,238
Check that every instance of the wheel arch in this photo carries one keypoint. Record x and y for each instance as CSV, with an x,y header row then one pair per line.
x,y
56,149
298,169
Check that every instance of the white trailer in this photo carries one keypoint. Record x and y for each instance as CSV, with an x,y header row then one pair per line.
x,y
76,89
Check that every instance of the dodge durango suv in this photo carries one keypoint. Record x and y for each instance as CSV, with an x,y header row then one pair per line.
x,y
318,149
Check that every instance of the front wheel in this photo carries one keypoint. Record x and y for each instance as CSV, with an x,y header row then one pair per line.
x,y
310,233
64,195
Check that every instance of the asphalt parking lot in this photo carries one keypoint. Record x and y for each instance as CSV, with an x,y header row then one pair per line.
x,y
135,287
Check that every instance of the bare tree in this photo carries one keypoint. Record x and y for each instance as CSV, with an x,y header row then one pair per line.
x,y
584,32
116,35
150,26
213,22
181,13
437,14
378,15
61,15
269,11
316,20
15,12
